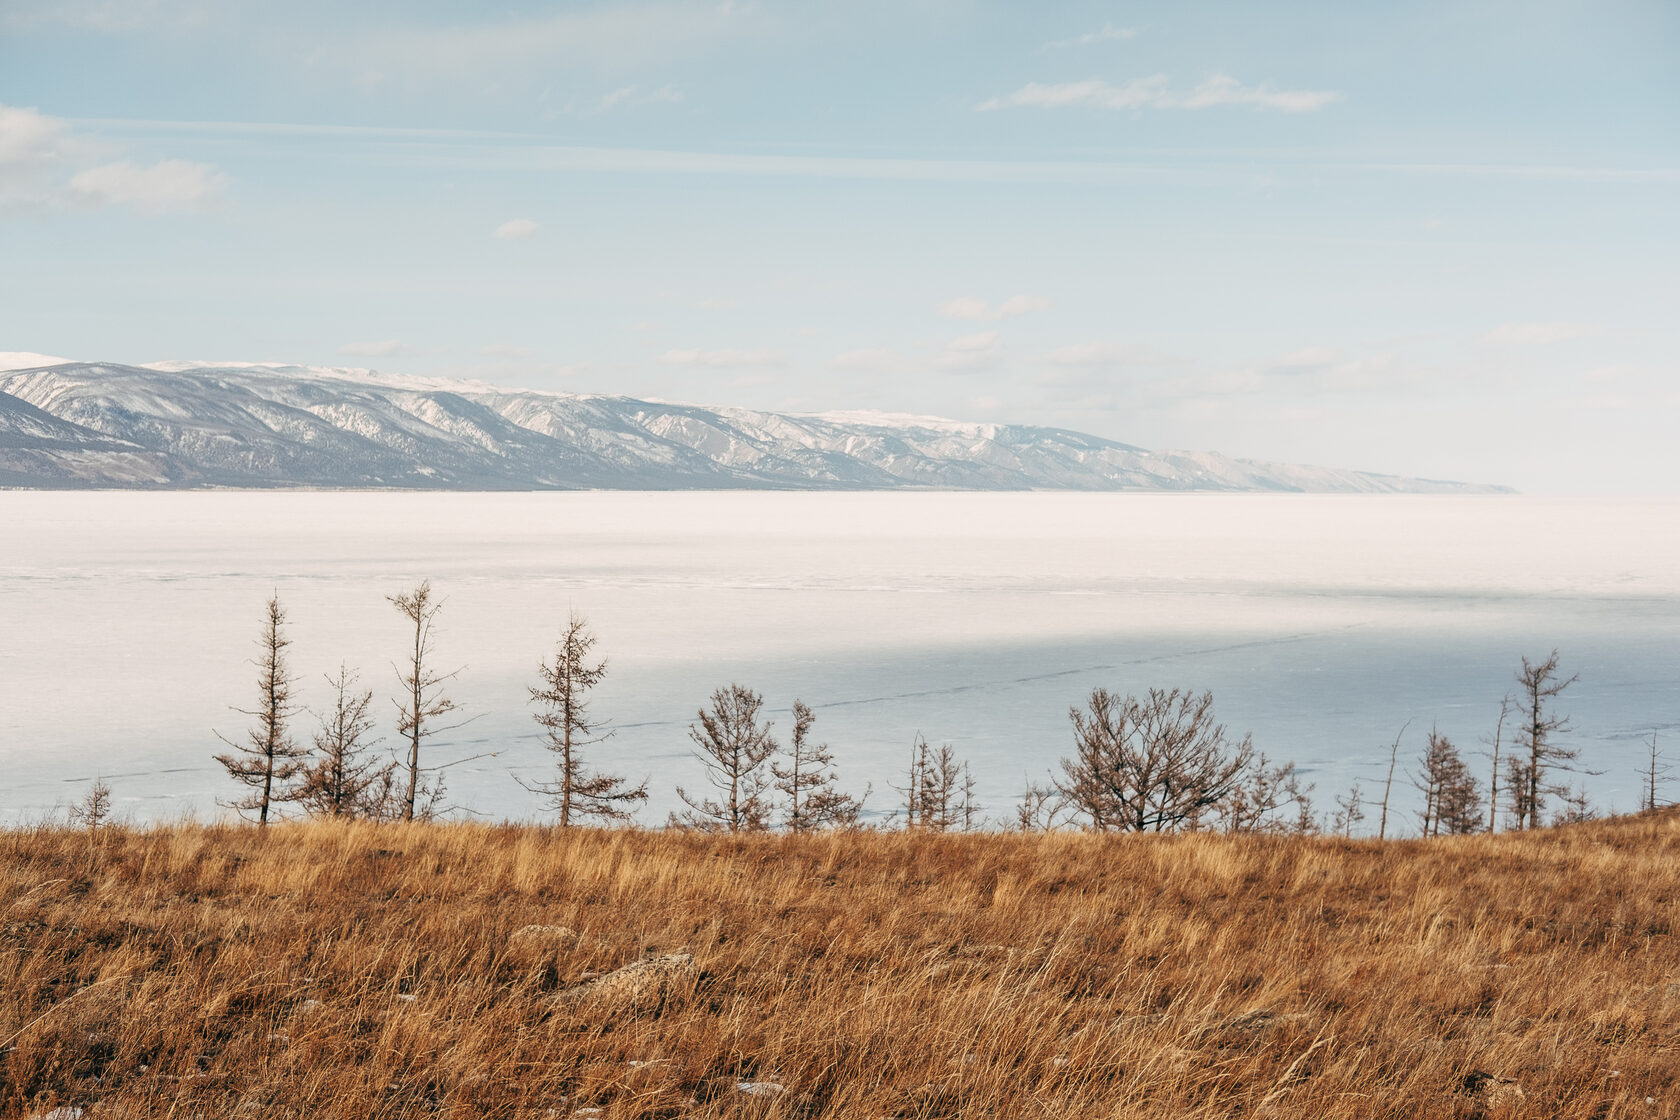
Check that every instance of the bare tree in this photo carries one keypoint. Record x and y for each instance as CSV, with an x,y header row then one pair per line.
x,y
93,811
345,780
1040,808
1452,799
808,780
735,750
1388,785
1493,776
1268,799
1349,812
423,701
568,728
268,761
1150,764
1538,732
1577,807
971,806
939,785
1657,771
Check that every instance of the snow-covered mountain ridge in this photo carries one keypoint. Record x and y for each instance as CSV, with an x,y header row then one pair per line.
x,y
179,425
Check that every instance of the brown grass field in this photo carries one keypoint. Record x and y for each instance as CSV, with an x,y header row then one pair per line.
x,y
394,971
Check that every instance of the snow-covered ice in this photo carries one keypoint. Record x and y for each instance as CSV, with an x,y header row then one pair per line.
x,y
1321,623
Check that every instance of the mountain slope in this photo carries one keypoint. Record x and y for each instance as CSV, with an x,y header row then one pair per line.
x,y
176,425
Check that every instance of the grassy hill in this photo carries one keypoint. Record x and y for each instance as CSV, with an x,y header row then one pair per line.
x,y
464,970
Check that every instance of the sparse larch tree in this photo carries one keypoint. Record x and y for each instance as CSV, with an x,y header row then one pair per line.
x,y
423,701
808,779
1493,776
1658,771
345,780
1152,764
939,788
1268,799
1452,798
1040,808
735,750
577,793
1350,810
1536,739
269,760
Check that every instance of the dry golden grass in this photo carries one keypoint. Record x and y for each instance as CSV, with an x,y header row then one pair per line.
x,y
353,970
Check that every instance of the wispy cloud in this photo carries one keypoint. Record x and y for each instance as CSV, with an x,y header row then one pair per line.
x,y
971,351
44,163
1537,334
1107,33
871,360
480,149
723,359
1155,92
978,310
630,97
173,184
386,348
516,229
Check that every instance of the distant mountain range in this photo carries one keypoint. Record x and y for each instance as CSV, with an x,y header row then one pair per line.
x,y
178,425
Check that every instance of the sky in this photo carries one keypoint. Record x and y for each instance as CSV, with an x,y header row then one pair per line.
x,y
1437,239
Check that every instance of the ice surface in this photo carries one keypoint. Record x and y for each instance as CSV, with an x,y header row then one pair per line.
x,y
1321,623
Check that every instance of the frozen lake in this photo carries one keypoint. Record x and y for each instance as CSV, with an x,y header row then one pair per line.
x,y
1321,623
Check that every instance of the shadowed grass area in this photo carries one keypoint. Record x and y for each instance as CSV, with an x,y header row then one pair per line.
x,y
466,970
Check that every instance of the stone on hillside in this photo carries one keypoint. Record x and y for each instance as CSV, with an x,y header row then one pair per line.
x,y
643,983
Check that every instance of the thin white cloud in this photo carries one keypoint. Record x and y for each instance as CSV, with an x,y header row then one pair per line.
x,y
979,311
481,149
515,230
384,348
630,97
716,303
44,164
173,184
971,351
1155,92
33,149
1101,354
723,359
869,359
1107,33
1537,334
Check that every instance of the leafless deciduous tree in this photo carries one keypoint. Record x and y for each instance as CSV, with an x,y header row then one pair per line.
x,y
423,701
1493,776
735,750
345,779
269,760
937,781
1040,808
808,780
1536,739
1657,771
1350,810
1269,798
1452,800
1150,764
94,809
576,792
1388,784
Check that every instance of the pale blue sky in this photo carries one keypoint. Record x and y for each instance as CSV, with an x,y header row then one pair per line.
x,y
1438,239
